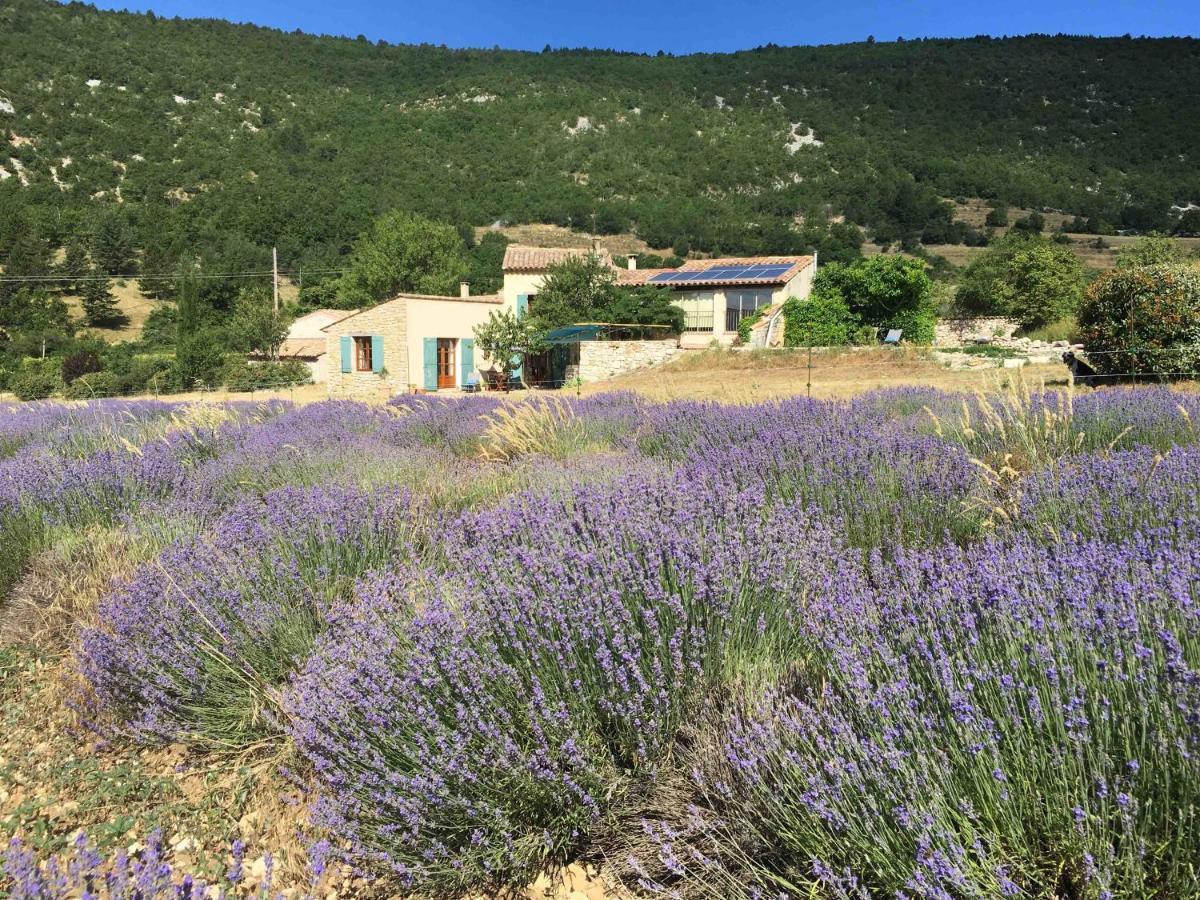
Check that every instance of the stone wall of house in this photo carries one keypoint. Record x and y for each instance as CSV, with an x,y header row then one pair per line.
x,y
956,332
389,320
599,360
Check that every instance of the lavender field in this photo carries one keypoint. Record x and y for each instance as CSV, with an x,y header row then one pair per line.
x,y
908,645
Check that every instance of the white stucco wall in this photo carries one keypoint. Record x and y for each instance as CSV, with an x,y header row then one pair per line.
x,y
517,283
444,319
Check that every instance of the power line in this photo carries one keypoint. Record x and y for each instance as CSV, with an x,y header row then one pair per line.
x,y
36,279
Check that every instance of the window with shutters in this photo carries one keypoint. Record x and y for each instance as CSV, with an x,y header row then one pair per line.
x,y
362,353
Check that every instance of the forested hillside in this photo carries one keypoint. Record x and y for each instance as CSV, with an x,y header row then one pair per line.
x,y
224,140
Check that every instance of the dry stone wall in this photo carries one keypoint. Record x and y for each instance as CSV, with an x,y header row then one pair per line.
x,y
599,360
956,332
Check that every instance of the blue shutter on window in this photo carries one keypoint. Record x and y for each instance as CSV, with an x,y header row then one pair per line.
x,y
467,351
431,364
522,304
377,353
347,353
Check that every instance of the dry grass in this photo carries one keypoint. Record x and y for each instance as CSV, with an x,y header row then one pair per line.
x,y
542,424
130,301
744,377
63,586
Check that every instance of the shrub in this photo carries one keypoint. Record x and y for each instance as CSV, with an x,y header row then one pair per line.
x,y
81,363
1065,329
23,535
747,323
197,645
1011,738
1143,320
36,380
490,734
97,384
818,322
240,374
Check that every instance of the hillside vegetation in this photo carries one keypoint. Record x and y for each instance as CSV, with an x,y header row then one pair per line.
x,y
224,139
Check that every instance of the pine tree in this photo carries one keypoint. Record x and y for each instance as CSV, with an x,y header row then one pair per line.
x,y
99,305
155,282
112,244
73,267
28,256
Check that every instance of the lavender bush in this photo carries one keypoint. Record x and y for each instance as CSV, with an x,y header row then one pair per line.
x,y
1010,720
551,666
196,646
902,645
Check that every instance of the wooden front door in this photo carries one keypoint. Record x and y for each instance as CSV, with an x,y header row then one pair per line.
x,y
445,363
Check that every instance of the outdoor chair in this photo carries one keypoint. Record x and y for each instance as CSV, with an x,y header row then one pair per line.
x,y
471,386
893,337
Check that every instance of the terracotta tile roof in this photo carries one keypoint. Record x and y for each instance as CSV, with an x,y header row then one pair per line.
x,y
638,276
310,324
474,298
302,348
518,258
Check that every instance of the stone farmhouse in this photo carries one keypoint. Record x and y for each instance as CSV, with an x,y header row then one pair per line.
x,y
421,342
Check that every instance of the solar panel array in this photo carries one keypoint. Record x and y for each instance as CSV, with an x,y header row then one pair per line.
x,y
763,272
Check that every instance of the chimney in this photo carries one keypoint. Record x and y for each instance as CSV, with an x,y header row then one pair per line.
x,y
464,289
632,257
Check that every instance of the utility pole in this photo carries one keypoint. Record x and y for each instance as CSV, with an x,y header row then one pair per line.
x,y
275,277
808,386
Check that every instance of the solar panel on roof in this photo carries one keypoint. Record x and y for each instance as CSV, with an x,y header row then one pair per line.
x,y
663,276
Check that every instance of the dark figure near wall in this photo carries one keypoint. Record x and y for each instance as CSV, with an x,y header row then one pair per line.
x,y
1083,373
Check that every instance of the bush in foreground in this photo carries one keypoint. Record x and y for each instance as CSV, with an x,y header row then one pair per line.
x,y
197,645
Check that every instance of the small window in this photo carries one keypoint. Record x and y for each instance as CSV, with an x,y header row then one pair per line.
x,y
362,354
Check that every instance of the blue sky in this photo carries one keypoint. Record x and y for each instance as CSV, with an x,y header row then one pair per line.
x,y
685,27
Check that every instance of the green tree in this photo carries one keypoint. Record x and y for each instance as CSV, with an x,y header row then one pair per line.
x,y
1152,250
505,339
113,243
74,266
1033,223
255,327
578,289
1130,316
157,280
884,291
997,217
28,256
487,263
980,289
100,307
198,347
403,253
645,304
1044,284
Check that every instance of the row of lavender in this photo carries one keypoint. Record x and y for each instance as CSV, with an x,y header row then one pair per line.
x,y
897,645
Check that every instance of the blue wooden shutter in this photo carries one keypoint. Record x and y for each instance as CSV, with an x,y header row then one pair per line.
x,y
519,359
347,353
377,353
431,364
467,352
